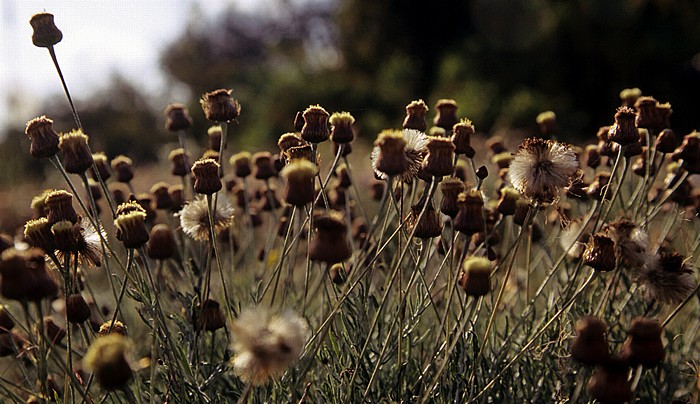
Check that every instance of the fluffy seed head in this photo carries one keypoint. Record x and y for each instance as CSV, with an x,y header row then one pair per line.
x,y
194,218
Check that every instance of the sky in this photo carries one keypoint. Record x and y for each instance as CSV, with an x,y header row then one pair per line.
x,y
99,38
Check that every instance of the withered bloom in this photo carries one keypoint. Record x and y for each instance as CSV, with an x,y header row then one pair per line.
x,y
624,131
241,164
628,96
209,316
194,218
107,357
330,243
44,140
474,278
102,165
131,225
430,224
214,135
263,166
398,153
446,116
219,106
38,233
547,122
438,162
609,383
451,188
78,238
600,253
177,118
179,165
461,137
76,154
24,275
161,243
123,166
206,176
590,346
470,218
177,197
540,168
643,345
341,127
631,242
303,152
160,193
668,278
59,207
77,309
315,128
415,116
46,34
689,152
508,201
666,141
299,188
289,140
597,188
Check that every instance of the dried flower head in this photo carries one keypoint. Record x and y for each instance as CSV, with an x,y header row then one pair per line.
x,y
76,154
590,346
108,358
177,118
643,345
179,163
206,176
668,278
609,382
103,167
220,106
161,243
341,127
84,240
415,116
631,242
262,161
446,116
289,140
404,150
461,137
24,275
266,344
600,253
46,34
299,188
474,278
209,316
540,168
547,122
194,218
44,140
59,207
131,225
77,309
439,161
330,243
451,188
430,224
315,129
470,217
624,131
123,166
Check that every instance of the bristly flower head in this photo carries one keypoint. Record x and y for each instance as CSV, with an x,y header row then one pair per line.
x,y
266,344
631,242
194,218
668,278
540,168
414,151
220,106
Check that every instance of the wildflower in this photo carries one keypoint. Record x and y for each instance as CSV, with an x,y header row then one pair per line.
x,y
59,207
629,95
161,242
590,346
77,309
76,154
547,122
623,131
177,118
341,127
266,344
80,238
44,140
263,166
194,218
438,162
330,244
652,114
289,140
109,327
38,233
470,218
451,188
643,345
107,358
299,188
209,316
461,137
124,168
46,34
303,152
609,383
666,141
689,152
430,224
668,278
600,253
541,167
24,275
474,278
631,242
206,176
219,106
398,153
315,129
446,116
177,197
507,201
179,166
415,116
162,198
102,165
131,225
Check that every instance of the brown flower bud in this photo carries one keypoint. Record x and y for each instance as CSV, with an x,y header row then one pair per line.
x,y
470,218
59,207
643,345
547,122
131,225
24,276
590,346
502,160
496,144
446,116
600,253
263,166
330,243
67,236
508,201
461,137
609,383
439,160
206,176
161,243
179,163
304,152
628,96
76,153
689,152
53,332
391,159
106,358
77,309
44,140
46,34
289,140
451,188
299,188
666,141
474,278
430,224
124,168
415,116
177,197
209,316
177,118
219,106
624,131
6,322
315,128
592,156
38,233
146,202
215,135
160,193
341,127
